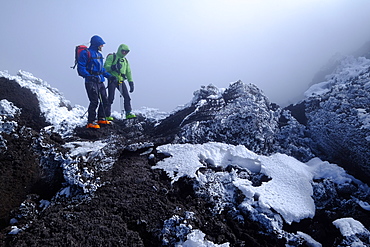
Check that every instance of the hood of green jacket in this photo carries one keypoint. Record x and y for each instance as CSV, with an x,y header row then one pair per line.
x,y
119,50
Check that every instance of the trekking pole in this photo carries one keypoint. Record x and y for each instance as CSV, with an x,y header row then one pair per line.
x,y
121,98
84,113
101,102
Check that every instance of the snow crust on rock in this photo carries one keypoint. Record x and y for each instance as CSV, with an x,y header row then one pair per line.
x,y
309,240
94,158
7,111
56,108
324,169
287,194
196,238
349,226
349,68
289,191
354,232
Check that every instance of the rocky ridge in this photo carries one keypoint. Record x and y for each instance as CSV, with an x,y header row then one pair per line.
x,y
124,202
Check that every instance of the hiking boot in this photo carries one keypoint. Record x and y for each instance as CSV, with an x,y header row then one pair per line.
x,y
109,118
93,126
102,121
130,115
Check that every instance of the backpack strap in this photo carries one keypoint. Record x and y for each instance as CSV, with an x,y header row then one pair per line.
x,y
88,55
114,57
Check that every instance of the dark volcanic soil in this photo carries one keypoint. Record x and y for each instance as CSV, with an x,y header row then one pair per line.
x,y
130,211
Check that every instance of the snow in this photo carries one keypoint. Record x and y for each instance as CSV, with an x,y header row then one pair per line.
x,y
196,238
364,205
353,231
188,158
286,195
289,192
15,230
152,113
318,89
310,242
91,153
349,226
83,148
323,169
8,109
178,232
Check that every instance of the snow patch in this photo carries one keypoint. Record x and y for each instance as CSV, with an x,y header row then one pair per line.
x,y
323,169
196,238
188,158
364,205
310,242
15,230
350,226
152,113
288,192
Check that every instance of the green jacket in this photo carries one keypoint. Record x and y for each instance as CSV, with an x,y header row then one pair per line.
x,y
125,72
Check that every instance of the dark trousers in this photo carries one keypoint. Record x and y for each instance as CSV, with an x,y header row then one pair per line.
x,y
124,93
98,99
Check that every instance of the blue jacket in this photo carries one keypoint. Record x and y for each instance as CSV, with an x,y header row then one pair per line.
x,y
95,65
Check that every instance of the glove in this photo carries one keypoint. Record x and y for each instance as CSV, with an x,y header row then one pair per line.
x,y
93,79
116,67
131,84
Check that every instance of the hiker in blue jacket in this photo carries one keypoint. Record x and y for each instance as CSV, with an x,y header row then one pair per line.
x,y
90,66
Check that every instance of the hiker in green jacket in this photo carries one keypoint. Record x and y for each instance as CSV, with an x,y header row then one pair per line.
x,y
117,65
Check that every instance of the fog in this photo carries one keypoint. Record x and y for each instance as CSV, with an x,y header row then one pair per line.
x,y
179,45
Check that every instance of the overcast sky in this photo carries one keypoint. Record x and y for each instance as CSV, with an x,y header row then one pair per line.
x,y
179,45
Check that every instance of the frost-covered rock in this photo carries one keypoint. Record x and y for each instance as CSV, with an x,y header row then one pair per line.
x,y
293,138
7,111
239,114
53,106
338,116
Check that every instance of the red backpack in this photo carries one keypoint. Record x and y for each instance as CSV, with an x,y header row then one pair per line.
x,y
78,50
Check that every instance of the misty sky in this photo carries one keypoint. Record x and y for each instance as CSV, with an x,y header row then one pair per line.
x,y
179,45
